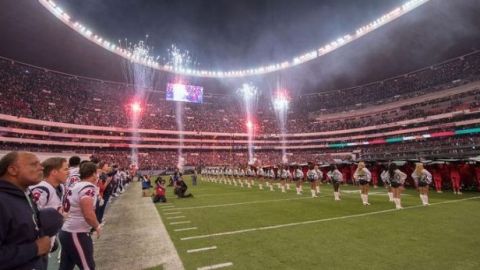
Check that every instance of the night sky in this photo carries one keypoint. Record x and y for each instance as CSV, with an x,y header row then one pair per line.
x,y
227,33
234,34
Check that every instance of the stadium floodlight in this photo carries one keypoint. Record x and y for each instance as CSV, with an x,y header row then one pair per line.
x,y
296,60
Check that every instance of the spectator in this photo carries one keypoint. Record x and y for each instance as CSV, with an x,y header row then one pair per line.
x,y
22,243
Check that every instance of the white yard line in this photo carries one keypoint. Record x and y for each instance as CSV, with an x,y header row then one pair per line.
x,y
320,220
169,209
172,213
201,249
185,229
180,222
177,217
215,266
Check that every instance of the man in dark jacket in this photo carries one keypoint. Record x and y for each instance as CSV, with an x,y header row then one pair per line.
x,y
21,243
181,188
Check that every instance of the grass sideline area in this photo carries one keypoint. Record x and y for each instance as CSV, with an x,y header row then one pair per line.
x,y
260,229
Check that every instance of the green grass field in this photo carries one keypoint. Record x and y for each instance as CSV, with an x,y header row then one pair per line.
x,y
260,229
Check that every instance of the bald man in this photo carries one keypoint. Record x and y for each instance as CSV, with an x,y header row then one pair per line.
x,y
21,243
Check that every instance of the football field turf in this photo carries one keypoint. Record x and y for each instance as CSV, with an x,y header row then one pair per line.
x,y
241,228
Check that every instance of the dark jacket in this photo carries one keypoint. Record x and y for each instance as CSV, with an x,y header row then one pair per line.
x,y
17,230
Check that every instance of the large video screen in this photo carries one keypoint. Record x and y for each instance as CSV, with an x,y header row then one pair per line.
x,y
183,92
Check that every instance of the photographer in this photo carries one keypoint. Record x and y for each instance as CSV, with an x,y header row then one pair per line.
x,y
181,188
159,195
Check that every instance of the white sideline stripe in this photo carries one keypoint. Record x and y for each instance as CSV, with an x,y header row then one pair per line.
x,y
321,220
201,249
172,213
243,203
167,206
215,266
180,222
185,229
175,217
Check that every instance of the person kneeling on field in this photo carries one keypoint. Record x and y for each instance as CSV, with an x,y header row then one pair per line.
x,y
159,195
181,188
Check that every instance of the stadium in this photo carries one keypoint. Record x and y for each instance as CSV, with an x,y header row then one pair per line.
x,y
269,134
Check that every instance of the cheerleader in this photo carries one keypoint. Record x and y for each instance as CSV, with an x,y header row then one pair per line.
x,y
395,179
249,177
423,179
298,178
271,176
222,176
228,175
235,175
312,177
284,176
387,185
260,175
336,177
241,175
362,176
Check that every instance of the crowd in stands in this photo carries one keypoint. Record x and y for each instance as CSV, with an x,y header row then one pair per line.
x,y
41,94
417,83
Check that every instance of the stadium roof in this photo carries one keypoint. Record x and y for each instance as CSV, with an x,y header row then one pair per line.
x,y
237,34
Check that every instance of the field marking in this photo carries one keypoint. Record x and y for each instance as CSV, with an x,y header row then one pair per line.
x,y
242,192
166,206
176,217
215,266
169,209
180,222
172,213
201,249
321,220
185,229
243,203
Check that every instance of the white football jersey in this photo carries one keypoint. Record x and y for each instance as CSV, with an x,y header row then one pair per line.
x,y
75,221
46,196
73,177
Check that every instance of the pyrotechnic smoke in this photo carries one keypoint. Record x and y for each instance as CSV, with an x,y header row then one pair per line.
x,y
142,78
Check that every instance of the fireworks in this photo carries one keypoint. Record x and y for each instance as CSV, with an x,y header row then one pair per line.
x,y
281,102
248,91
249,94
138,71
178,59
